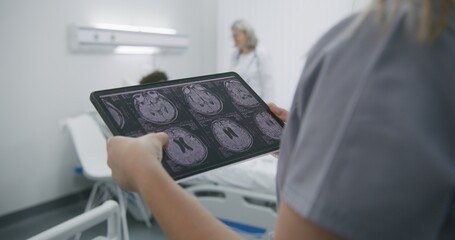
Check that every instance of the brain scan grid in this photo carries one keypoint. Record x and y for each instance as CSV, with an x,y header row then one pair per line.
x,y
116,114
231,135
240,94
201,118
154,107
185,148
268,125
202,100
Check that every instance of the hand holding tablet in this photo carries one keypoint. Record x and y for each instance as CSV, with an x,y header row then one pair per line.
x,y
144,156
212,121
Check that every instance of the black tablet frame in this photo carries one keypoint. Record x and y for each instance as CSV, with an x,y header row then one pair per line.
x,y
95,98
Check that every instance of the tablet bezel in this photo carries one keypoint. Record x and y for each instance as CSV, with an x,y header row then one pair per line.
x,y
95,98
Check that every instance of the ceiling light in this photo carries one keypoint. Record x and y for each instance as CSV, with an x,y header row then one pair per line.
x,y
136,50
130,28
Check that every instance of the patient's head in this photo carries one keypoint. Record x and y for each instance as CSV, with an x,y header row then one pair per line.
x,y
154,77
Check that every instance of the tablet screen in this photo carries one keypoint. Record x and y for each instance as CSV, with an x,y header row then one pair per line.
x,y
212,121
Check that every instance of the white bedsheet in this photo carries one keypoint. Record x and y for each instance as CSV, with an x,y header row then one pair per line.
x,y
257,175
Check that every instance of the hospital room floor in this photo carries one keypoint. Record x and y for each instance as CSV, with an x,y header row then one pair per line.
x,y
28,226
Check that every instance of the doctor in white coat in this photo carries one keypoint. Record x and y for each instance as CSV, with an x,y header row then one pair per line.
x,y
249,62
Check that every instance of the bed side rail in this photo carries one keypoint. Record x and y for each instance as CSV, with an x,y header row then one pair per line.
x,y
109,211
256,210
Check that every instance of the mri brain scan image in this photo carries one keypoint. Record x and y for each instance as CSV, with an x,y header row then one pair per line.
x,y
185,148
202,100
231,135
240,94
116,114
268,125
155,107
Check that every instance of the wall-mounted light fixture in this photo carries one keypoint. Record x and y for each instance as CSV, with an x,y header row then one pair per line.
x,y
136,50
130,28
124,39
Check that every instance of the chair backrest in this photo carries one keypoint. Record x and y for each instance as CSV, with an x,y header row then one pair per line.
x,y
90,144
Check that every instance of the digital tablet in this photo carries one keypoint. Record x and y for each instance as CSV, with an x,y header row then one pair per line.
x,y
212,121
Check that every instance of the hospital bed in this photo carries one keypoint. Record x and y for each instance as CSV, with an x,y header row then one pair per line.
x,y
108,211
256,175
243,195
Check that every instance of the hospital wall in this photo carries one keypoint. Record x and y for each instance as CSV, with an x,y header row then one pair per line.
x,y
42,83
286,30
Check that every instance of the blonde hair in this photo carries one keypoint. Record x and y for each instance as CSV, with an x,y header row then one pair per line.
x,y
433,17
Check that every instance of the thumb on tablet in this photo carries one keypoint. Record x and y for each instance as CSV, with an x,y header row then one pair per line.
x,y
279,112
162,137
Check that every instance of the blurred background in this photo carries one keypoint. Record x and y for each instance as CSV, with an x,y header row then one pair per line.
x,y
44,81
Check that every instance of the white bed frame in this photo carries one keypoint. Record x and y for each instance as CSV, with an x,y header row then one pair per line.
x,y
237,207
108,211
242,207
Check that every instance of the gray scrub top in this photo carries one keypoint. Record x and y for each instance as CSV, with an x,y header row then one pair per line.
x,y
369,148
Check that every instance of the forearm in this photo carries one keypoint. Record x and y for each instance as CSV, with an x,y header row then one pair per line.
x,y
178,213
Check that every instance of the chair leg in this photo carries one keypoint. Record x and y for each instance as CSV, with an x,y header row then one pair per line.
x,y
93,193
141,207
121,200
106,194
89,204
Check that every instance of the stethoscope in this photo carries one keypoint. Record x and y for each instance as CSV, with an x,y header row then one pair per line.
x,y
254,59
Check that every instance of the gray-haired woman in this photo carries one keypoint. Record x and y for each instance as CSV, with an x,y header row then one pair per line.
x,y
250,62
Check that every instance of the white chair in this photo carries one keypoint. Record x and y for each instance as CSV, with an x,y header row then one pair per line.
x,y
90,145
109,211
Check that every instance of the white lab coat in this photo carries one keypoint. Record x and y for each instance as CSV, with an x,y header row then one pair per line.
x,y
255,69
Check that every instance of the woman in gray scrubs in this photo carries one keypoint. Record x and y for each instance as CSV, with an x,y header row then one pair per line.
x,y
369,147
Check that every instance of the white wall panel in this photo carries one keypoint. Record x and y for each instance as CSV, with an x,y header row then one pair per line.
x,y
286,29
41,82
